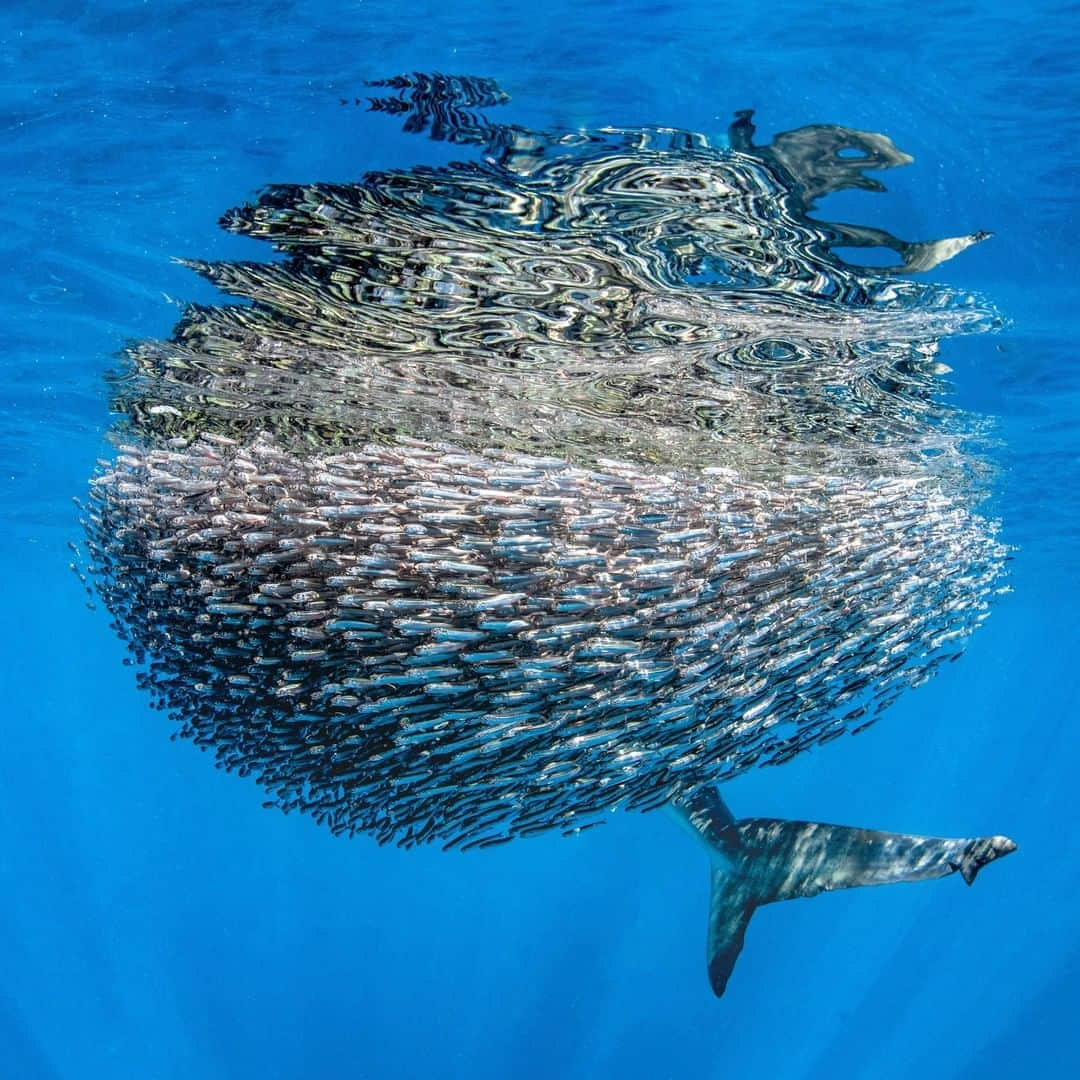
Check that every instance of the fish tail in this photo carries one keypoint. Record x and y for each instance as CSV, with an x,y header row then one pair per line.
x,y
757,861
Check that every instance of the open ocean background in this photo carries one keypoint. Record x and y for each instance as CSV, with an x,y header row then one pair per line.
x,y
155,922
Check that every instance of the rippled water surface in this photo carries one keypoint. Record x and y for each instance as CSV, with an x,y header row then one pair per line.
x,y
644,358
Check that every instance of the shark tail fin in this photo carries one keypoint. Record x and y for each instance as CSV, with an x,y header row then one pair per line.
x,y
757,861
729,916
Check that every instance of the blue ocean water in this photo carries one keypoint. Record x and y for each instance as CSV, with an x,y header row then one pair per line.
x,y
156,922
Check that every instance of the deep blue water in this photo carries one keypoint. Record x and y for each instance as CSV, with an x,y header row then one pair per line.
x,y
155,922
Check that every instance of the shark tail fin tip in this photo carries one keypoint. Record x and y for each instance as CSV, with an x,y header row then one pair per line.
x,y
729,916
982,851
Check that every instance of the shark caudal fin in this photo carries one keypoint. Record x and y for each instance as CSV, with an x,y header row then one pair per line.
x,y
729,916
758,861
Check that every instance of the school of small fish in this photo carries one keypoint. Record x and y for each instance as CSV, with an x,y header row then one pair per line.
x,y
575,477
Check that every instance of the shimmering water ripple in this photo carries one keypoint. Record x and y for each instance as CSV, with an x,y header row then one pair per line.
x,y
574,477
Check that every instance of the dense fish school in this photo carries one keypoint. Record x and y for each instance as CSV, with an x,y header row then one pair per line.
x,y
580,476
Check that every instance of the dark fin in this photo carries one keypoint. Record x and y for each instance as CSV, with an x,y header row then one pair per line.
x,y
784,860
980,852
758,861
729,916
